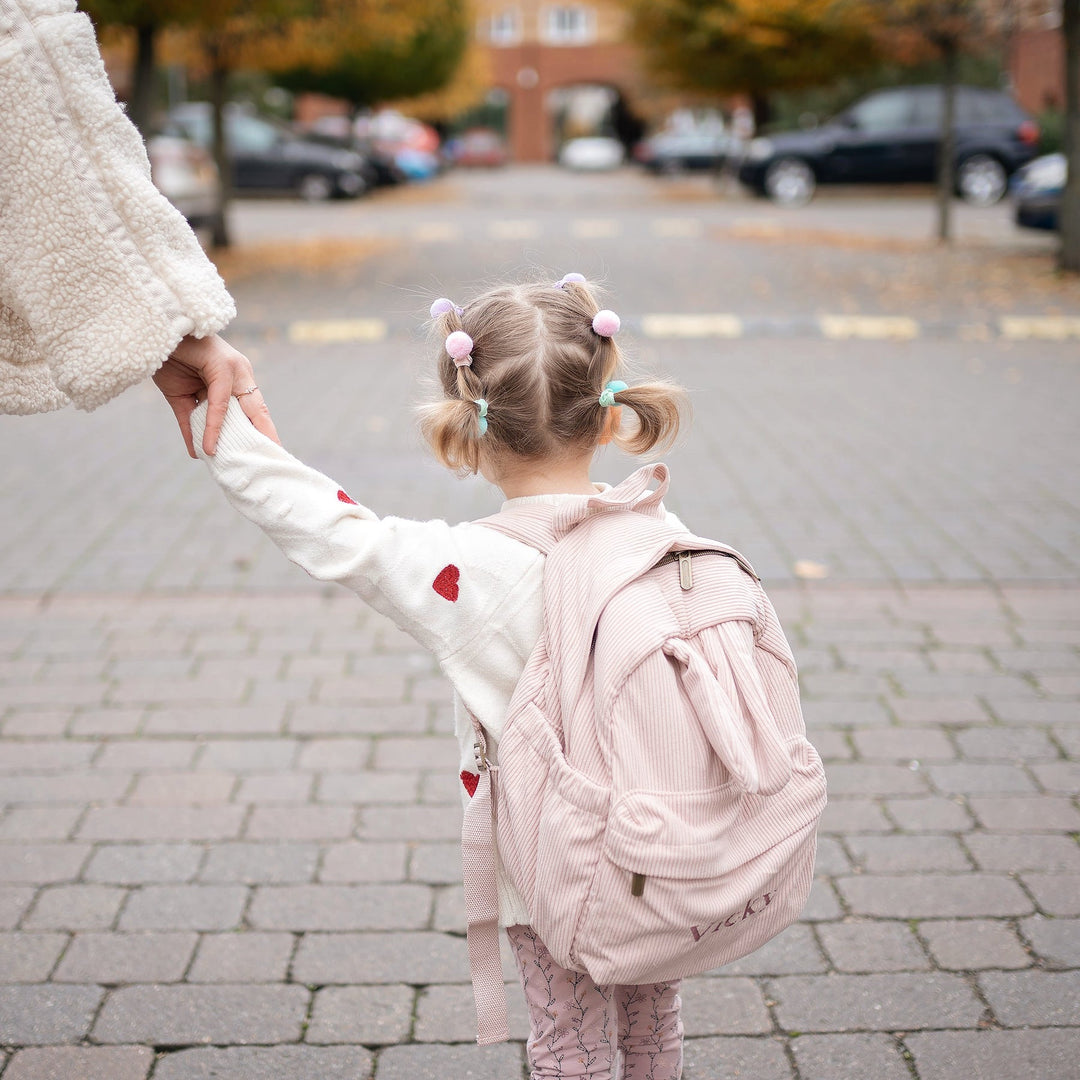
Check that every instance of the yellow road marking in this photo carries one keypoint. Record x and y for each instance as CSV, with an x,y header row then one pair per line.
x,y
329,331
1049,327
596,228
874,327
692,326
513,230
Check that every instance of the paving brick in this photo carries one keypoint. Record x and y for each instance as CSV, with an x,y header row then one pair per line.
x,y
946,711
82,1062
1026,813
416,958
994,1055
162,823
857,947
1011,853
1056,894
1056,941
1062,776
892,854
39,822
324,719
1005,744
831,858
126,958
37,723
340,754
14,902
247,755
732,1006
64,788
75,907
21,756
437,864
1039,713
437,1062
368,788
738,1056
973,944
182,789
242,957
267,1063
903,744
300,823
830,1057
429,752
146,754
373,1015
832,745
137,864
849,815
928,896
270,788
184,907
839,714
852,778
409,823
930,813
1035,998
27,957
822,903
260,863
365,861
184,1015
961,661
971,779
340,907
440,787
894,1002
41,1015
447,1014
793,952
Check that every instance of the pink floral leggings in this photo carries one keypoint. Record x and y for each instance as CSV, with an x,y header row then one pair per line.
x,y
579,1028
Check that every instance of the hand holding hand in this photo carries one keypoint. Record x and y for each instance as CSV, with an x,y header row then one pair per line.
x,y
211,369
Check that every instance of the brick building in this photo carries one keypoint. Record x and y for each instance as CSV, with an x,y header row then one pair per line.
x,y
1037,61
538,51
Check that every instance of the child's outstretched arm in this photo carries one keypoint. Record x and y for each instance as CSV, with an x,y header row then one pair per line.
x,y
442,584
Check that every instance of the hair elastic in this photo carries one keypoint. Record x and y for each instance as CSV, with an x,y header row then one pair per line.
x,y
577,279
482,405
607,395
442,306
459,345
606,323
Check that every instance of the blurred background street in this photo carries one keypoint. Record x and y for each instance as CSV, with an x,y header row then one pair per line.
x,y
229,817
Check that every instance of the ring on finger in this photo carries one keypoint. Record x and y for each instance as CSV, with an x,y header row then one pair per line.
x,y
249,390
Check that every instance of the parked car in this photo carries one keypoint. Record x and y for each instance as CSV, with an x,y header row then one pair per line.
x,y
478,148
185,174
678,151
1037,189
892,136
269,158
381,170
592,153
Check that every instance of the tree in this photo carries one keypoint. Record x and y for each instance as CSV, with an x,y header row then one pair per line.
x,y
1069,252
754,47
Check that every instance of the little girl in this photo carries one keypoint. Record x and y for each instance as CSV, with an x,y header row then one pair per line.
x,y
529,392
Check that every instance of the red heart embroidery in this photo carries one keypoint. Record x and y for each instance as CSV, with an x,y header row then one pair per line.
x,y
342,497
446,584
470,780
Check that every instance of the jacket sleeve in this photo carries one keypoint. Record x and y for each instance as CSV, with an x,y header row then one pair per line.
x,y
100,276
442,584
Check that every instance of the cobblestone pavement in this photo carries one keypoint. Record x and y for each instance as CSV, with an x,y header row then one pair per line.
x,y
228,814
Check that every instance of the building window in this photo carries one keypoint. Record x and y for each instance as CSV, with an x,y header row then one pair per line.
x,y
569,25
502,27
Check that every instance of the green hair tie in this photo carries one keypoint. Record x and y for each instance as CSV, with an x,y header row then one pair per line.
x,y
607,396
482,405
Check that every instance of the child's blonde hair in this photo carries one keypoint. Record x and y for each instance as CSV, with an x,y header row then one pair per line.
x,y
540,368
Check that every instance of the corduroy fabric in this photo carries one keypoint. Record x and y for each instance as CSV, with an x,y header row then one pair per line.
x,y
655,732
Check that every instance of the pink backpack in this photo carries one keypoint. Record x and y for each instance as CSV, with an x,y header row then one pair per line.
x,y
656,800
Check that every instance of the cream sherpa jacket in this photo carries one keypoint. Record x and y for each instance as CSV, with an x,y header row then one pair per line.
x,y
100,277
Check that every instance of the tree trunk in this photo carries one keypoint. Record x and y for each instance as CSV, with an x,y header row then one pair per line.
x,y
141,105
762,110
219,84
1069,225
947,155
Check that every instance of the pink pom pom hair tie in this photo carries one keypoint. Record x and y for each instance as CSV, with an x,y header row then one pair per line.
x,y
459,345
578,279
442,306
606,323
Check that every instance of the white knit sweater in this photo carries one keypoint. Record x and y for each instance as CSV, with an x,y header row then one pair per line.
x,y
100,276
471,596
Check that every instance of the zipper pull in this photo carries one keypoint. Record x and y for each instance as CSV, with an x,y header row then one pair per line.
x,y
686,571
637,885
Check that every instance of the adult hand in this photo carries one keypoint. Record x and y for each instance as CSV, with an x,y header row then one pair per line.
x,y
211,369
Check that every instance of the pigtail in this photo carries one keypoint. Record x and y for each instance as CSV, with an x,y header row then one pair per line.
x,y
659,408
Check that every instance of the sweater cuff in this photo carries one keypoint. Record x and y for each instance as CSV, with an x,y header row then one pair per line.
x,y
238,434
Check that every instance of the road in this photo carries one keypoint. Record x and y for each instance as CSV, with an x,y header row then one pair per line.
x,y
226,792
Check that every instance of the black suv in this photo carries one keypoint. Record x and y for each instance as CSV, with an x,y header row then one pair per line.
x,y
892,136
